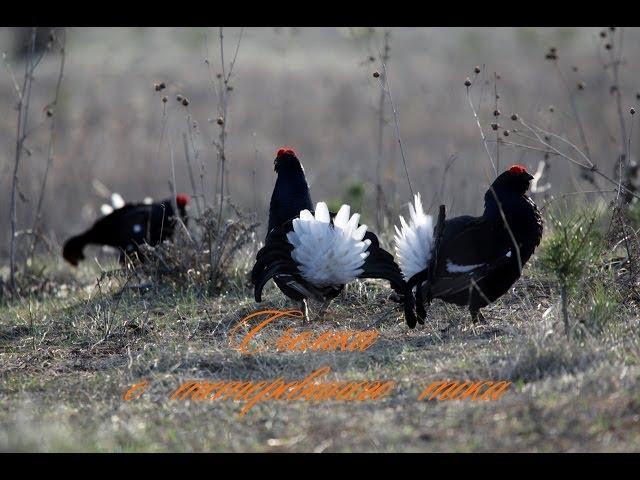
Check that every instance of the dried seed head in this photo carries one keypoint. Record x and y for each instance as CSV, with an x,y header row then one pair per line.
x,y
179,97
218,75
514,117
50,112
581,85
496,113
498,76
551,56
229,88
632,111
547,138
185,101
494,126
506,133
612,29
164,99
574,68
553,50
613,89
552,108
156,86
220,121
603,34
163,85
607,46
497,96
477,69
467,82
372,58
376,74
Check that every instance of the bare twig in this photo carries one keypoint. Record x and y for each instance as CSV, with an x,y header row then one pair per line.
x,y
381,124
23,114
52,136
484,139
384,82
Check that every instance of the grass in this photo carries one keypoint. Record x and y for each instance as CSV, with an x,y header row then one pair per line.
x,y
62,382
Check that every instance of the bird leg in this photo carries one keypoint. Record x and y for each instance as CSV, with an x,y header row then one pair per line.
x,y
476,316
305,310
323,309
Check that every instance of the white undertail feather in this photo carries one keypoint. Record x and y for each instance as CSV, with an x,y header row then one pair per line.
x,y
106,209
116,200
326,253
415,240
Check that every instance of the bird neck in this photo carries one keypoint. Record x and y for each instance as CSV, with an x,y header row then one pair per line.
x,y
290,196
495,200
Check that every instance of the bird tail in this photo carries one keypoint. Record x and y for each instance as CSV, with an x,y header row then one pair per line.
x,y
274,259
414,240
72,249
329,253
380,264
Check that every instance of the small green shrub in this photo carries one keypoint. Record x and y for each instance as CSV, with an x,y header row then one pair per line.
x,y
569,253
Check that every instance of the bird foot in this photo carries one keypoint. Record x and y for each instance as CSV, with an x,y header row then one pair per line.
x,y
323,310
478,318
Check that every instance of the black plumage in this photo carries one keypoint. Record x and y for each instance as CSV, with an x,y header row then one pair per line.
x,y
290,196
477,261
129,227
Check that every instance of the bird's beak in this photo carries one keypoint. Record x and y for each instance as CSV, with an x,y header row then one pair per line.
x,y
529,177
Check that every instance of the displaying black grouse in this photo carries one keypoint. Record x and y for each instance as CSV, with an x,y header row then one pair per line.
x,y
128,227
479,258
312,254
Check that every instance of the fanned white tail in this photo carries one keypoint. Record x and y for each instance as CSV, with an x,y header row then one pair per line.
x,y
326,253
415,241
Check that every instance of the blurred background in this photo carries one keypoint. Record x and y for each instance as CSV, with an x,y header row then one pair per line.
x,y
312,89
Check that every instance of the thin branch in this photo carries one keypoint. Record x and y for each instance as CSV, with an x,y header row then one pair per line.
x,y
395,118
484,139
52,135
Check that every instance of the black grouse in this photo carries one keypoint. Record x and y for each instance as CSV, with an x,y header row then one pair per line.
x,y
128,227
478,258
312,254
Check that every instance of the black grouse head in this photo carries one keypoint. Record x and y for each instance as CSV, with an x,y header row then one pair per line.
x,y
515,180
182,200
286,160
291,191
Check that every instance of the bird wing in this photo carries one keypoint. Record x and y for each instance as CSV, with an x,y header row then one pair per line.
x,y
470,250
118,228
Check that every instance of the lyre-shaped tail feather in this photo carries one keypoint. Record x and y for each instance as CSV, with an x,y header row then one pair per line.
x,y
380,264
271,260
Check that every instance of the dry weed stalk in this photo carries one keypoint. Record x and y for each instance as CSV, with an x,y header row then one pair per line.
x,y
223,91
22,131
202,257
52,108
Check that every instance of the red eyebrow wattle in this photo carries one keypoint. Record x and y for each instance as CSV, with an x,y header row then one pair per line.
x,y
518,169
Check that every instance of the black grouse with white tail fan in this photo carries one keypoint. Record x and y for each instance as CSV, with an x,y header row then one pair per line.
x,y
128,227
479,258
312,253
